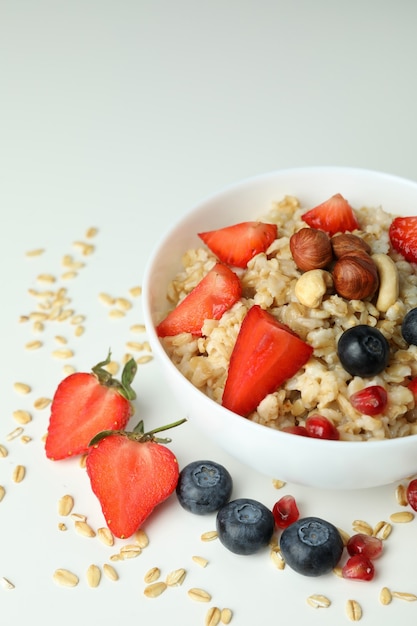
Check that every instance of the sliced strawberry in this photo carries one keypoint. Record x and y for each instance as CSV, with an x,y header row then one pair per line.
x,y
213,295
403,237
85,404
130,473
236,245
334,215
266,354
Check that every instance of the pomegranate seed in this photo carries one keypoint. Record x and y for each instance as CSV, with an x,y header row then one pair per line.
x,y
412,494
370,400
320,427
296,430
285,511
412,385
358,567
370,547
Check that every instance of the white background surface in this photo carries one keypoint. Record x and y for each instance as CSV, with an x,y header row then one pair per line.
x,y
122,115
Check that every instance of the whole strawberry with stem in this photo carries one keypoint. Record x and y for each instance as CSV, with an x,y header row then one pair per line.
x,y
131,473
86,403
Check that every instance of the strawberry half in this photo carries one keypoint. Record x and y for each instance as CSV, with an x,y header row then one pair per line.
x,y
403,237
214,294
334,215
131,473
266,354
85,404
236,245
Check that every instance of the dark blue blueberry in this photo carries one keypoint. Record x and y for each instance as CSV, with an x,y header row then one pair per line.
x,y
244,526
409,327
203,487
363,351
311,546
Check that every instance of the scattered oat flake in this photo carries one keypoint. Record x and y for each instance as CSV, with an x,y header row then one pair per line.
x,y
278,484
138,328
22,417
210,535
7,584
401,495
18,473
91,232
153,590
226,616
85,248
213,616
65,578
176,577
46,278
402,517
199,595
84,529
141,538
65,505
14,434
360,526
93,575
116,313
135,292
3,451
385,596
64,353
152,575
70,275
106,298
22,388
62,527
110,572
2,492
382,530
42,403
353,610
35,252
402,595
25,439
33,345
123,303
144,359
318,601
105,535
79,330
200,560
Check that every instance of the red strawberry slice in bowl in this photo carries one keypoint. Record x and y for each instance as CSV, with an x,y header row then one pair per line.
x,y
236,245
334,215
85,404
266,354
403,237
213,295
130,474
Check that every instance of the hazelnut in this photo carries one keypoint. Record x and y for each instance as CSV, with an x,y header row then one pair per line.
x,y
311,249
355,277
348,243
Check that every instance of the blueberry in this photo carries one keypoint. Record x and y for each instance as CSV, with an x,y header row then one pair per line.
x,y
409,327
203,487
363,351
244,526
311,546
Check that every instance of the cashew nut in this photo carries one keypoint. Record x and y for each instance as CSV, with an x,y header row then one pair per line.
x,y
312,286
388,281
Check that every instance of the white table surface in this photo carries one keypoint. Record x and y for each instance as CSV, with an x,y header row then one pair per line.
x,y
122,115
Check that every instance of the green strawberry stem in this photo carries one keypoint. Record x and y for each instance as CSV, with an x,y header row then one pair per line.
x,y
138,433
128,374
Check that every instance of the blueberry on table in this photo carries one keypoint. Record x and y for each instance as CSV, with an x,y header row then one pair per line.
x,y
244,526
363,351
203,487
409,327
311,546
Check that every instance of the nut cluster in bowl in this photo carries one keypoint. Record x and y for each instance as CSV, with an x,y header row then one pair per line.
x,y
318,312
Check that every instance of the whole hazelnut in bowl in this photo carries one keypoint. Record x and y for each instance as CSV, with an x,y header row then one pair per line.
x,y
312,389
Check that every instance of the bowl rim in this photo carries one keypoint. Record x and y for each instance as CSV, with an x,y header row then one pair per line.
x,y
249,425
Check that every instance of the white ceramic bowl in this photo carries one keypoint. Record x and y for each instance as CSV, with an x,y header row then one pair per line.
x,y
302,460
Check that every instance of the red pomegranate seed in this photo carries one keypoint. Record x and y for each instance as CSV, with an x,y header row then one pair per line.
x,y
285,511
370,547
412,494
296,430
412,385
370,400
320,427
358,567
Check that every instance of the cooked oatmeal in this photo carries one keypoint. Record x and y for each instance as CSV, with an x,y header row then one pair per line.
x,y
321,386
